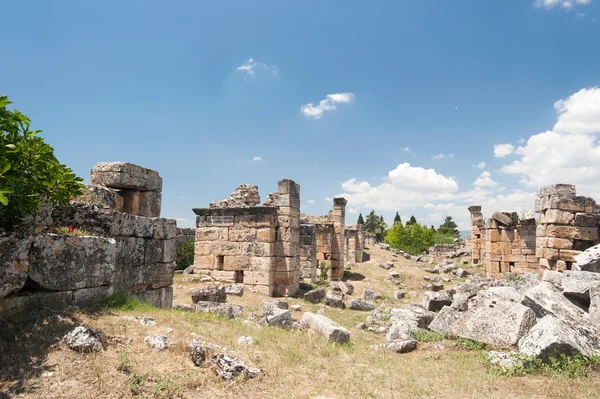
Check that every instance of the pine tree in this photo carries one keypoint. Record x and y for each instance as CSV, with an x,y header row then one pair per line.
x,y
397,218
412,221
360,219
449,228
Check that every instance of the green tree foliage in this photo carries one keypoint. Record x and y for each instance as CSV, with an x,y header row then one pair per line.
x,y
185,254
360,219
29,172
449,228
375,225
397,218
411,238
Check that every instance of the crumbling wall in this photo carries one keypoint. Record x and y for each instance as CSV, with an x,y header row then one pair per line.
x,y
477,225
254,245
119,252
308,252
324,239
568,225
354,245
510,245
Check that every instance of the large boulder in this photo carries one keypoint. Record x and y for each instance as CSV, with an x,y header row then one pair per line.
x,y
588,260
577,284
552,335
500,323
324,326
229,368
211,293
501,294
83,339
226,310
435,301
361,304
545,299
315,296
335,300
159,342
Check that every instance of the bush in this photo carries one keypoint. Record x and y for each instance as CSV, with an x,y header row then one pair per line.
x,y
30,174
185,254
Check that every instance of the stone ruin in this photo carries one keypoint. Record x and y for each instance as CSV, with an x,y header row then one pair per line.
x,y
124,246
269,247
355,242
518,243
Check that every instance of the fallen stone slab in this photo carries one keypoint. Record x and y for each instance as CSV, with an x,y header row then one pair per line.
x,y
315,296
552,336
434,301
501,294
235,290
84,340
270,306
346,288
281,318
499,323
226,310
184,307
588,260
361,304
229,368
188,270
545,299
211,293
159,342
412,312
124,175
503,218
335,300
577,284
402,346
324,326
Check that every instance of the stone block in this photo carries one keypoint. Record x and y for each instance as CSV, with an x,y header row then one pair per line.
x,y
325,327
262,249
14,263
89,296
283,248
573,232
568,255
212,233
124,175
160,297
561,190
259,277
557,216
130,251
285,264
545,299
262,264
222,248
164,229
225,276
287,278
558,243
19,304
239,233
204,262
265,234
255,221
236,262
61,263
161,251
141,203
219,221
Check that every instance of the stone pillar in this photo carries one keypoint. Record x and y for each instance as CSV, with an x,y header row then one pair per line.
x,y
308,252
567,226
477,225
360,242
287,238
338,217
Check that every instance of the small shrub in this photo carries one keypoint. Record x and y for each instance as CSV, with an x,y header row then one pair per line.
x,y
325,267
185,254
559,365
425,336
470,344
125,365
125,302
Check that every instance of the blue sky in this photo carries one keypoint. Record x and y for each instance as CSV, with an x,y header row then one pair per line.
x,y
345,97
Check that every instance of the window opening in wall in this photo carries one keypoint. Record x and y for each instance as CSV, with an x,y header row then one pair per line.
x,y
220,259
511,265
239,276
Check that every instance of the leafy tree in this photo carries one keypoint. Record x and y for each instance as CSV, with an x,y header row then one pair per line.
x,y
397,218
185,254
449,228
412,221
360,219
30,174
411,238
375,225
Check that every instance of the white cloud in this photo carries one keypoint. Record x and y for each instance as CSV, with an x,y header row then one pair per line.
x,y
352,211
328,199
406,149
328,104
257,159
562,3
439,156
480,165
485,180
502,150
311,201
570,153
250,67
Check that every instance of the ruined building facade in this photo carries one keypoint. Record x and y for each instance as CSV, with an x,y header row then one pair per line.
x,y
269,247
512,243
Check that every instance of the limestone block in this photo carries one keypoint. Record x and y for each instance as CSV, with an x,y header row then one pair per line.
x,y
225,276
265,289
223,248
19,304
164,229
568,255
573,232
435,301
498,323
255,221
287,278
557,216
211,293
502,218
561,190
160,298
558,243
265,234
263,264
162,251
88,296
236,262
226,310
545,299
283,248
212,234
588,260
154,275
124,175
585,220
218,221
259,277
14,263
141,203
62,263
203,262
262,249
285,264
239,233
130,251
100,196
324,326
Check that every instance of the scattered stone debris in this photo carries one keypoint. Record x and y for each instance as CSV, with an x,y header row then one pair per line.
x,y
325,327
315,296
229,368
235,290
335,300
361,304
148,321
159,342
402,346
245,340
435,301
211,293
276,314
226,310
83,339
198,352
296,308
505,360
346,288
184,307
245,196
386,265
399,294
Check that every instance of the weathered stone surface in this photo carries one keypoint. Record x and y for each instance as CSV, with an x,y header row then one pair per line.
x,y
412,312
62,263
588,260
502,218
346,288
505,361
281,318
325,327
561,190
246,195
229,368
270,306
434,301
198,352
83,339
235,290
245,340
160,297
14,263
577,284
368,294
501,294
462,273
159,342
545,299
402,346
14,304
188,270
184,307
401,330
361,304
100,196
552,335
335,300
552,276
124,175
315,296
211,293
496,323
226,310
460,302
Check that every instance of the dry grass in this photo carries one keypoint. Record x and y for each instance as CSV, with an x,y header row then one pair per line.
x,y
35,364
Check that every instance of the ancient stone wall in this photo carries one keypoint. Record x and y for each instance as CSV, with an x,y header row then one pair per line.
x,y
354,245
510,245
477,225
109,250
324,239
254,245
568,225
308,252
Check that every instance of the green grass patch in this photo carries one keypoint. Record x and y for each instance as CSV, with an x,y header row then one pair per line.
x,y
125,302
471,345
562,365
426,336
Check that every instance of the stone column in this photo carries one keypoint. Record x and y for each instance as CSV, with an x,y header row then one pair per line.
x,y
567,226
308,252
477,225
287,240
338,217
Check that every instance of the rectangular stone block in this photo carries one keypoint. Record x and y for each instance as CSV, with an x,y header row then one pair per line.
x,y
130,251
255,221
287,278
262,263
557,216
125,175
568,255
217,248
287,221
561,190
225,276
164,229
162,251
267,290
286,249
265,234
585,220
243,234
493,235
231,263
559,243
259,278
204,262
141,203
574,232
219,221
257,249
212,233
286,264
